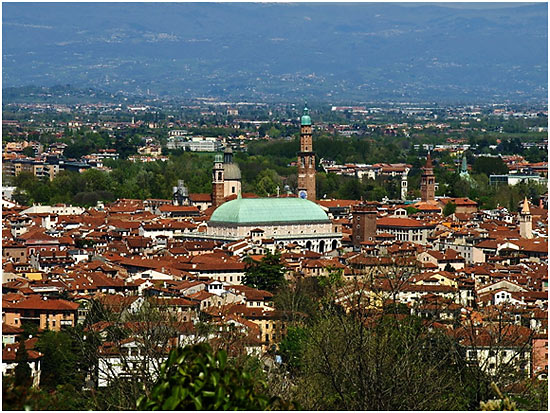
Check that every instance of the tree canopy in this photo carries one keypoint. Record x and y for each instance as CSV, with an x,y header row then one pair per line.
x,y
268,274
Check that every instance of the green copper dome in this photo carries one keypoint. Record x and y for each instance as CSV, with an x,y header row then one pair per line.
x,y
268,210
306,120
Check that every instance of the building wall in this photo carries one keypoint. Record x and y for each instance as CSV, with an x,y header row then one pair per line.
x,y
231,187
540,355
490,359
15,254
364,226
417,235
313,236
46,320
9,368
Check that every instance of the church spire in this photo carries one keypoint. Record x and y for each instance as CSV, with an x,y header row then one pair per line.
x,y
525,221
525,209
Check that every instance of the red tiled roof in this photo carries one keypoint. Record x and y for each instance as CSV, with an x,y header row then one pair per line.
x,y
200,197
337,203
400,222
7,329
200,295
9,353
178,208
36,302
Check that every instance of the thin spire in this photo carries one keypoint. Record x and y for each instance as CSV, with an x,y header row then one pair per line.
x,y
429,161
525,209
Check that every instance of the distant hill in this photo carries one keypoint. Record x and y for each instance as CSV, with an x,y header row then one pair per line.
x,y
241,51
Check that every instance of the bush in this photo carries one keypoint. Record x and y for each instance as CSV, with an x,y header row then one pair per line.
x,y
196,378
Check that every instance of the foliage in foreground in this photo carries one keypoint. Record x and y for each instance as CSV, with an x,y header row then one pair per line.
x,y
395,365
196,378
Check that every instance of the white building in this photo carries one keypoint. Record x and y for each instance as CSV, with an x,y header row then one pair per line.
x,y
285,220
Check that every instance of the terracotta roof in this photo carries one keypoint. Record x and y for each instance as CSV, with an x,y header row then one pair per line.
x,y
338,203
7,329
251,293
9,353
200,197
200,295
178,208
400,222
36,302
509,336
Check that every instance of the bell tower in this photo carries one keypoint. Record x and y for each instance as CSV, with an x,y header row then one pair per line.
x,y
427,181
525,221
217,181
306,160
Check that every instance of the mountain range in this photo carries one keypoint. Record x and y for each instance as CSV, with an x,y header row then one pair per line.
x,y
328,52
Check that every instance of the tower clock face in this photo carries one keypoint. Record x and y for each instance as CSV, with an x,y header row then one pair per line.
x,y
302,194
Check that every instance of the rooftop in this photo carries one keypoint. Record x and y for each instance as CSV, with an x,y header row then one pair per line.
x,y
269,210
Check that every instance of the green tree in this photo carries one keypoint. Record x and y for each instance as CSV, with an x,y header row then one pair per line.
x,y
449,209
22,369
268,274
292,347
60,361
267,182
28,151
490,166
386,364
196,378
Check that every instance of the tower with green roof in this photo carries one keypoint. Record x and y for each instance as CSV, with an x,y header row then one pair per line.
x,y
464,174
218,180
306,159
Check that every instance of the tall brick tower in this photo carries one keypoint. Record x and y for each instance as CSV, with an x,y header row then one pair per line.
x,y
364,224
306,160
427,182
217,181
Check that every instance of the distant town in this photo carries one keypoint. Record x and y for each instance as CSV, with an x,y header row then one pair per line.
x,y
129,230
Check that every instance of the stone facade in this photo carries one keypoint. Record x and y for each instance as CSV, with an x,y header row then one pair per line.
x,y
316,237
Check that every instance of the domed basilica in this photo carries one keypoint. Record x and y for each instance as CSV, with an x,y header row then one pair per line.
x,y
297,220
